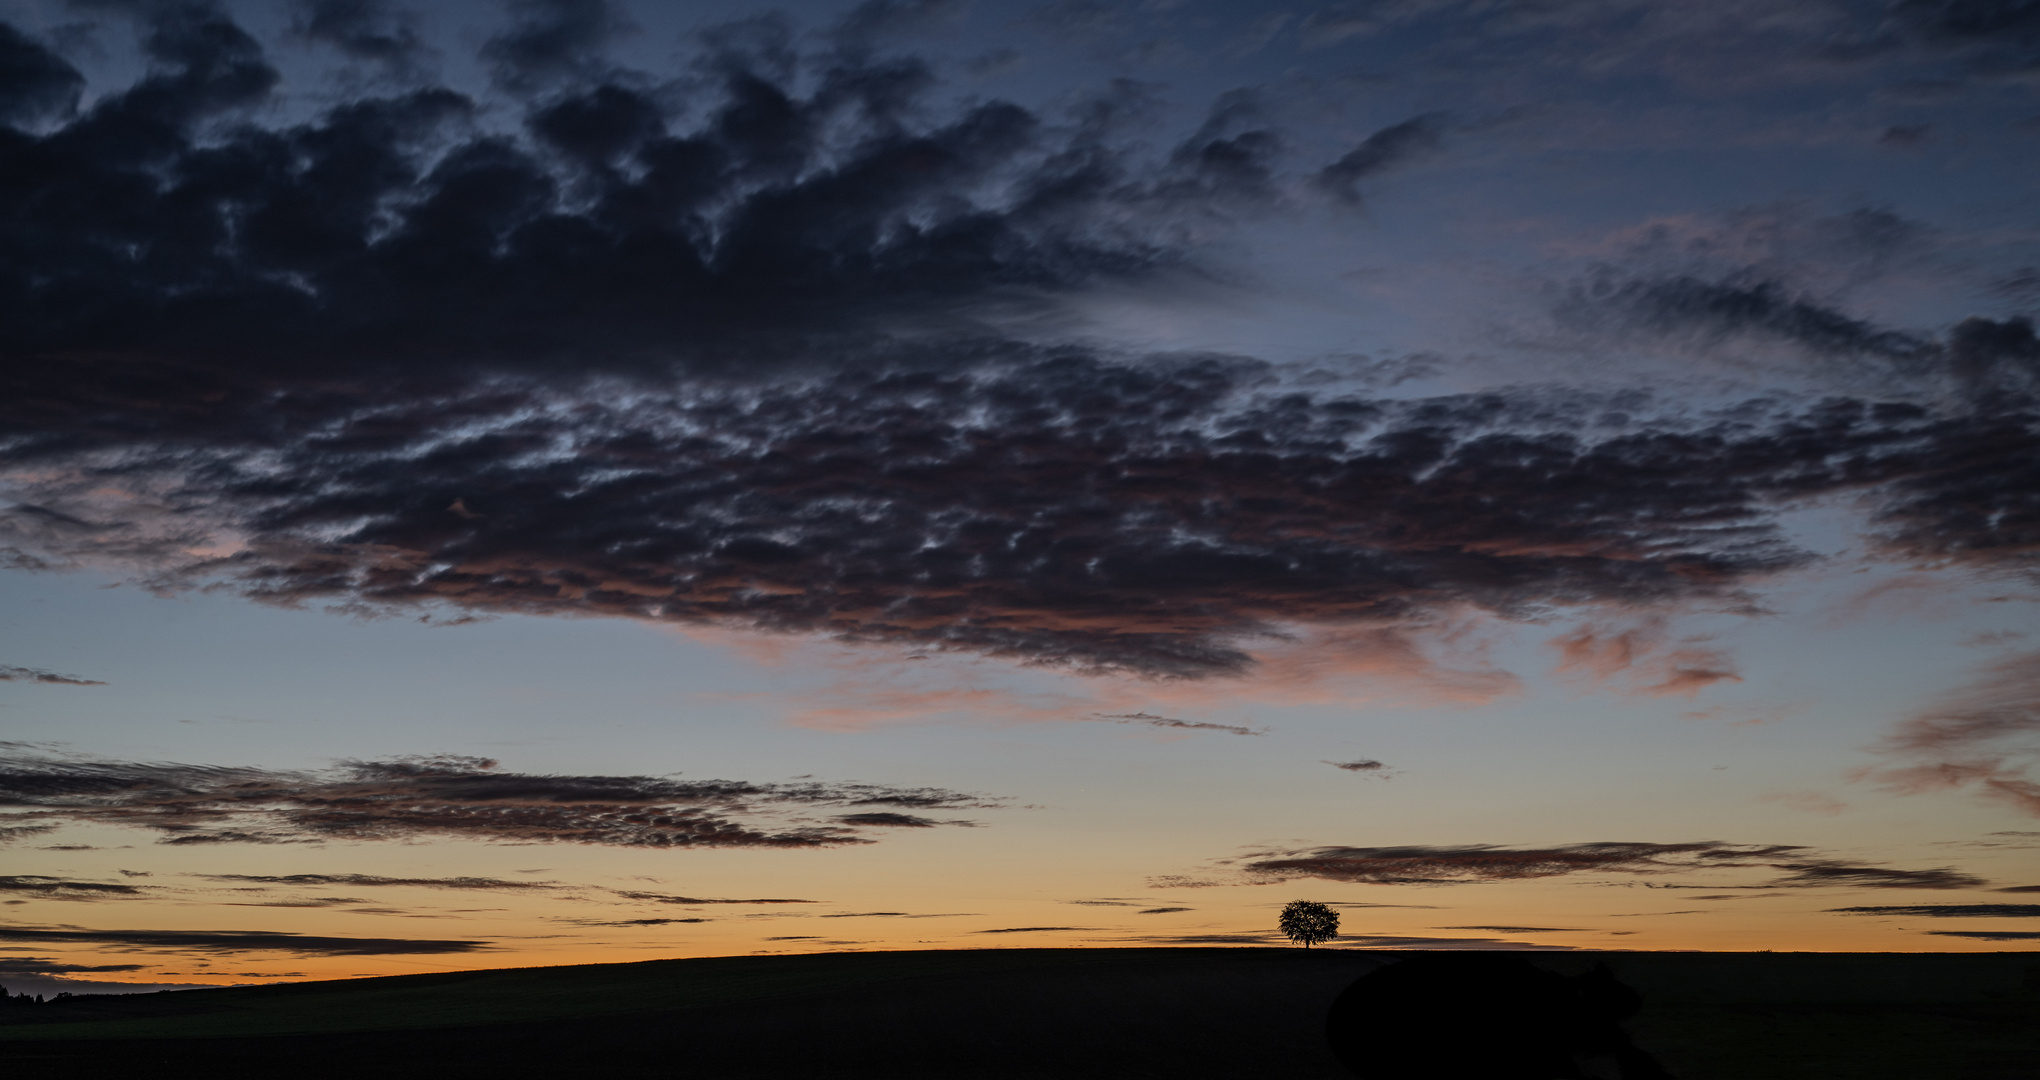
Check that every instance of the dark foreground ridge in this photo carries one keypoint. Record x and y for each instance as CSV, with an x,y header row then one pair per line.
x,y
1067,1014
1488,1014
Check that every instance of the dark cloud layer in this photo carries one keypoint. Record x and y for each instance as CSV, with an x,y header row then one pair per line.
x,y
458,797
394,232
1482,863
237,941
744,370
1155,518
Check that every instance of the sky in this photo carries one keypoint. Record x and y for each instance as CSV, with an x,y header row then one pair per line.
x,y
563,481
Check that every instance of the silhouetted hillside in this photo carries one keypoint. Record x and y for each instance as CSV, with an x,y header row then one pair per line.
x,y
1023,1013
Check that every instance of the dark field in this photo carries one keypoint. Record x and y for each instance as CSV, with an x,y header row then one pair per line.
x,y
1022,1013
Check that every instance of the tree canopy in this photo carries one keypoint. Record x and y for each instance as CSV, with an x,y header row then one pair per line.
x,y
1309,922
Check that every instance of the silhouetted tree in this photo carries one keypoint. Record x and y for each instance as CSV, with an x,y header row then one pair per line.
x,y
1309,922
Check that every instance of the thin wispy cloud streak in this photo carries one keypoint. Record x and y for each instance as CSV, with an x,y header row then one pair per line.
x,y
1476,863
233,941
693,901
9,673
1948,911
373,880
55,888
1151,720
448,797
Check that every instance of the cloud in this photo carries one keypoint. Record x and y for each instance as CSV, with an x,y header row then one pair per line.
x,y
460,797
553,41
1715,312
1162,910
1029,929
736,352
1249,938
50,985
1990,935
1152,720
896,914
1984,736
238,941
1399,941
1812,802
37,82
882,818
1519,929
29,965
1992,39
1823,873
1642,661
1369,766
849,507
51,888
690,901
827,194
1485,862
1473,863
1905,135
1949,911
369,30
372,880
1390,148
881,20
1075,21
9,673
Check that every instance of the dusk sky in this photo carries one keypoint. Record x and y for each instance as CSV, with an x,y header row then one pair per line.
x,y
491,485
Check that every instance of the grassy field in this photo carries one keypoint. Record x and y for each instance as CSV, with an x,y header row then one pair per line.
x,y
1020,1013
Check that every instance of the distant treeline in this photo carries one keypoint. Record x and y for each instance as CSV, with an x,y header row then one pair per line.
x,y
24,998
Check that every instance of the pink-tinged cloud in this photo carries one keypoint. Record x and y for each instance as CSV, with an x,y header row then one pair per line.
x,y
1639,658
1983,737
1811,802
1436,663
1441,665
